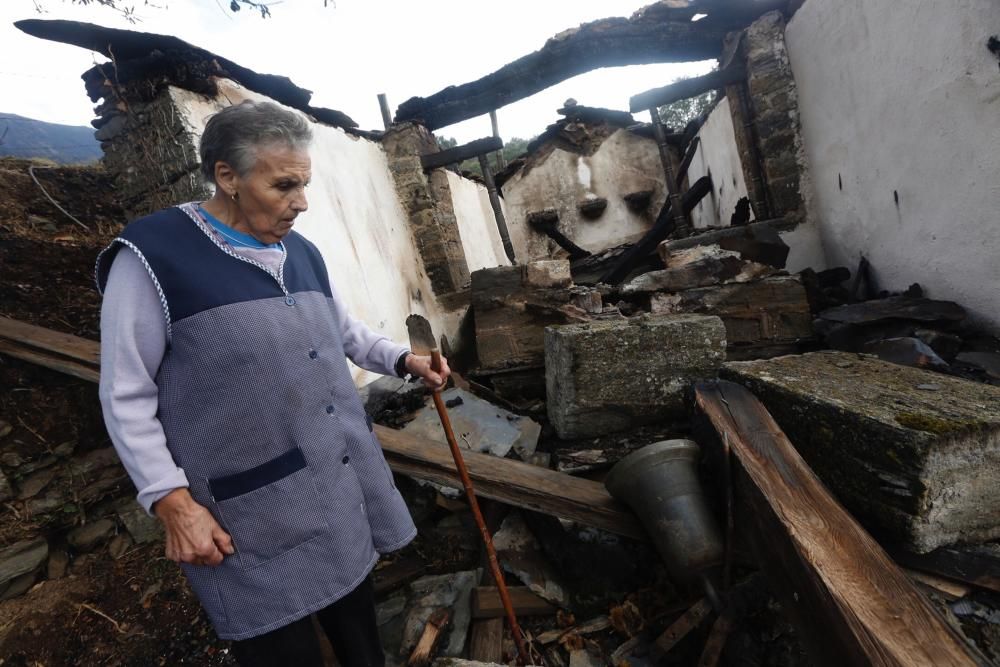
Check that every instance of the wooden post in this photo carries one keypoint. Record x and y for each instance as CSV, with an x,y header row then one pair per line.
x,y
383,105
501,162
681,226
491,188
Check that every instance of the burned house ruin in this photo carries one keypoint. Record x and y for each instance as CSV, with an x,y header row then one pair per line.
x,y
801,281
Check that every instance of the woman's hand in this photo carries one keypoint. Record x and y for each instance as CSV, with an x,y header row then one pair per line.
x,y
421,367
193,534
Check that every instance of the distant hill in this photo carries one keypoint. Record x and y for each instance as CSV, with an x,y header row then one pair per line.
x,y
65,144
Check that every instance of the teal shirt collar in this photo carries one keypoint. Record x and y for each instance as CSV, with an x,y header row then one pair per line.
x,y
235,238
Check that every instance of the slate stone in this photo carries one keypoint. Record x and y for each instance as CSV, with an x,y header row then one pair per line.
x,y
141,526
22,558
89,536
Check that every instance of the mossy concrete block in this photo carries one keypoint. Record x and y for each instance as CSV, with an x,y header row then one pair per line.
x,y
914,454
608,376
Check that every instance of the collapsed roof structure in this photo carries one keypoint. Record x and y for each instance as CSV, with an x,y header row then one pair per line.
x,y
596,283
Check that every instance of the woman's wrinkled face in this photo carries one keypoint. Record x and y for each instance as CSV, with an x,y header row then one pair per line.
x,y
273,193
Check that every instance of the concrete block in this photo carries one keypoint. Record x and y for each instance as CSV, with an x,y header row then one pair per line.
x,y
608,376
914,454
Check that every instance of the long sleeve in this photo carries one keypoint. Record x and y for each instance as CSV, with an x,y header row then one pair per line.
x,y
133,342
369,350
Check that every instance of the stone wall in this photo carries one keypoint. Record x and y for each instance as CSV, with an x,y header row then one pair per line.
x,y
151,152
426,199
623,164
774,104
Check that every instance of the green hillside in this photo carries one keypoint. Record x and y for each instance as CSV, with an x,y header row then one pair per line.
x,y
65,144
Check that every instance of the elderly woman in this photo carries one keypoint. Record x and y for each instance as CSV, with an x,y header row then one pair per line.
x,y
227,395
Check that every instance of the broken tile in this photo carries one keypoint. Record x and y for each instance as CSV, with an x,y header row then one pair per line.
x,y
520,554
479,426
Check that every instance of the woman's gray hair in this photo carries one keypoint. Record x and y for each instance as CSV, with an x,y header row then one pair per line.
x,y
234,134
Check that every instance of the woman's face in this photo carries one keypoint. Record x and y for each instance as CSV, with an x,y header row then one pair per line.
x,y
273,193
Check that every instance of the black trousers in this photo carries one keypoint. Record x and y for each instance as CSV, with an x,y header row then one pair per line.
x,y
349,623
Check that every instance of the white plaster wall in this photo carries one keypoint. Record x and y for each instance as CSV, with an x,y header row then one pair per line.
x,y
624,163
902,100
476,223
357,222
719,156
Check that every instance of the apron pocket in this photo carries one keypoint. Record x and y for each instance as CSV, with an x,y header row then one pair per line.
x,y
270,509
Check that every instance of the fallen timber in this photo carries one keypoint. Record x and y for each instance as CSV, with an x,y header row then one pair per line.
x,y
879,615
849,602
510,482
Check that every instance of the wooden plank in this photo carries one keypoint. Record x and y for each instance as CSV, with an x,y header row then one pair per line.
x,y
460,153
975,569
716,641
432,634
486,640
511,482
48,360
683,626
486,602
850,602
685,88
67,345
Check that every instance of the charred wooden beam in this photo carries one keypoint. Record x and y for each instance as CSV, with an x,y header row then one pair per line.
x,y
461,153
654,34
682,170
685,88
138,55
661,229
850,603
494,195
546,222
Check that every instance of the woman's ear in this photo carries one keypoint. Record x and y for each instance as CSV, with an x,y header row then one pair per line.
x,y
226,178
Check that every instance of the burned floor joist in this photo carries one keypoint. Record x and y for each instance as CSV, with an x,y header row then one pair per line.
x,y
657,33
850,603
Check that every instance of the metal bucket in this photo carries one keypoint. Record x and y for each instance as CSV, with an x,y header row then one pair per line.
x,y
660,483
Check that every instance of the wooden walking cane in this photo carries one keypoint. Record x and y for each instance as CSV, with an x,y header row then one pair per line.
x,y
422,342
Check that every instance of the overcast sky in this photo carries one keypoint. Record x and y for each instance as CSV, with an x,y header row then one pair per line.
x,y
346,53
